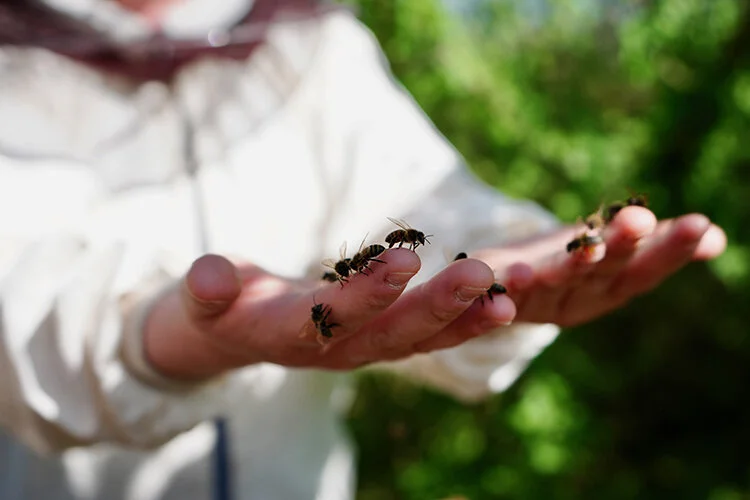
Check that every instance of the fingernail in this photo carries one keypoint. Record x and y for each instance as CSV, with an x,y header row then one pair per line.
x,y
469,293
492,325
398,280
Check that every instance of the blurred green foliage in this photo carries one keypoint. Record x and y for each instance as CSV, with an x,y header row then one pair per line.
x,y
571,103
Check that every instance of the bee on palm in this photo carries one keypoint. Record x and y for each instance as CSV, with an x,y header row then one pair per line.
x,y
406,235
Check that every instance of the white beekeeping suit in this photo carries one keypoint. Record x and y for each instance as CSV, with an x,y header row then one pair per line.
x,y
110,188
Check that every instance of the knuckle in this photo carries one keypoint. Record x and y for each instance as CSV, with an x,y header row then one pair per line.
x,y
441,314
382,341
379,301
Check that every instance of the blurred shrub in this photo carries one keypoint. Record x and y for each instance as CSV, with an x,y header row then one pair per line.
x,y
571,103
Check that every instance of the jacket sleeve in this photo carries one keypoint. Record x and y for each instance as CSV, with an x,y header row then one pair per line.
x,y
75,284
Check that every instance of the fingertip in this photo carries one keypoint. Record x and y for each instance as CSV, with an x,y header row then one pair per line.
x,y
712,244
213,278
401,260
633,223
502,312
691,227
473,273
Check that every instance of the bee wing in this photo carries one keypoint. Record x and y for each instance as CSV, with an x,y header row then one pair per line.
x,y
342,250
331,263
400,223
361,245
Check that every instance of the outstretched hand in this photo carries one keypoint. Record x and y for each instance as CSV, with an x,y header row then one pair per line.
x,y
550,285
227,315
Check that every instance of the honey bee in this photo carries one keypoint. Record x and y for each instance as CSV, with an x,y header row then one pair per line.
x,y
406,234
361,261
612,210
596,220
319,314
583,241
495,289
459,256
634,200
637,200
330,276
341,268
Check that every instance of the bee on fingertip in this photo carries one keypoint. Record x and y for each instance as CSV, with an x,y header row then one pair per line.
x,y
406,235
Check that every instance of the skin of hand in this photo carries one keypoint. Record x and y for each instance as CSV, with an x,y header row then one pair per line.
x,y
226,315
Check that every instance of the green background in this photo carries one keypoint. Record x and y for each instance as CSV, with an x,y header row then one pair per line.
x,y
570,103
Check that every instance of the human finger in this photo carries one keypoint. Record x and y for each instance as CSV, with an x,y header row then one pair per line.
x,y
482,317
210,287
622,237
712,244
661,256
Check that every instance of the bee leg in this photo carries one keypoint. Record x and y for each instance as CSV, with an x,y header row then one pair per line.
x,y
489,294
377,260
325,330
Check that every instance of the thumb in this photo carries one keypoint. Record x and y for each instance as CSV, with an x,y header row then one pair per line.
x,y
210,287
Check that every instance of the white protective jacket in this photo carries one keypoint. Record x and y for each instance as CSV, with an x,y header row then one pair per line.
x,y
308,143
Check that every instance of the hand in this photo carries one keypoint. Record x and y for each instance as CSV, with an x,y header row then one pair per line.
x,y
225,315
552,286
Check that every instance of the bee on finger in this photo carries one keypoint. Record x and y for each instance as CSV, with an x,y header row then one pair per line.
x,y
583,241
596,220
612,210
330,276
634,200
361,260
319,314
341,268
637,200
495,289
406,234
